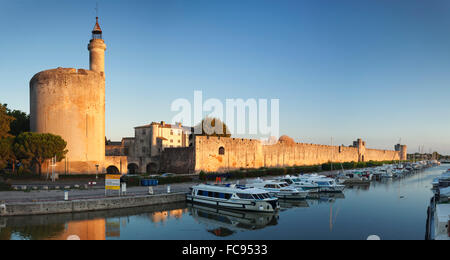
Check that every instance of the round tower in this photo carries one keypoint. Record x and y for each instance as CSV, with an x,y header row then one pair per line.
x,y
71,103
404,152
97,48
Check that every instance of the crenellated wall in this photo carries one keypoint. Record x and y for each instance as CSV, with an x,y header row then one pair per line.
x,y
246,153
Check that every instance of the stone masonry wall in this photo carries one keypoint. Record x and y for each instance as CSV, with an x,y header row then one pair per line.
x,y
245,153
178,160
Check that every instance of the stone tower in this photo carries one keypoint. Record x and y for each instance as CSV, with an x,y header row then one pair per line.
x,y
71,103
403,151
97,49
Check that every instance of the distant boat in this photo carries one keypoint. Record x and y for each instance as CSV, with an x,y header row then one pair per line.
x,y
279,189
298,183
325,184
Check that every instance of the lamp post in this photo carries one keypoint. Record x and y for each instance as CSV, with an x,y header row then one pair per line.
x,y
96,175
53,165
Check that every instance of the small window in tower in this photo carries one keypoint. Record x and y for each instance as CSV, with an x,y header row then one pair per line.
x,y
221,151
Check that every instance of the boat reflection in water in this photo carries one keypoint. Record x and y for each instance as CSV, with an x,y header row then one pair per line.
x,y
326,196
226,222
289,204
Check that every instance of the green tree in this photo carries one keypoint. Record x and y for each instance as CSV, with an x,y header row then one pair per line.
x,y
40,147
7,153
212,127
21,123
5,122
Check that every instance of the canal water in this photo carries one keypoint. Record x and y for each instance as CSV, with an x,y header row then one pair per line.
x,y
390,209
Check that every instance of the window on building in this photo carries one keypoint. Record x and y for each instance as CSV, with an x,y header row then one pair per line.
x,y
221,151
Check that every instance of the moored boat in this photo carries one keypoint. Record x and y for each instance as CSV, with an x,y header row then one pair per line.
x,y
299,184
325,184
233,196
279,189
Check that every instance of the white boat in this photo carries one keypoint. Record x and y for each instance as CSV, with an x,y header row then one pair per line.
x,y
442,181
299,184
279,189
325,184
438,221
441,222
233,196
386,173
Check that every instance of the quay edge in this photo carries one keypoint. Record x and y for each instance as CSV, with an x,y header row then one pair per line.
x,y
57,207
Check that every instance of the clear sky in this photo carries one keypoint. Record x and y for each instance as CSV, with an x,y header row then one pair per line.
x,y
345,69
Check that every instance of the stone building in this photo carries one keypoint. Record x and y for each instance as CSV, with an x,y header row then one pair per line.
x,y
71,103
145,149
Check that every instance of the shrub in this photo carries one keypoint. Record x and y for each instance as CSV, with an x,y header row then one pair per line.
x,y
5,186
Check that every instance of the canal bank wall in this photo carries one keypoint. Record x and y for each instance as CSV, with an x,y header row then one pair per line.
x,y
74,206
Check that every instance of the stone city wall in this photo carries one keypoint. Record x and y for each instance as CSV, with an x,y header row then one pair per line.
x,y
214,154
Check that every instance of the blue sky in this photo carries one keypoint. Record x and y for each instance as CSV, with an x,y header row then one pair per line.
x,y
376,69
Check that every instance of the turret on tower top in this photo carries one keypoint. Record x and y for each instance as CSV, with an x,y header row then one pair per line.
x,y
97,49
97,32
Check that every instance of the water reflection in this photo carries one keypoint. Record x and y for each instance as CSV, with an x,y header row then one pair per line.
x,y
223,222
324,197
100,225
289,204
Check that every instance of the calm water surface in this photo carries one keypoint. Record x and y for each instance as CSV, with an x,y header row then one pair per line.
x,y
391,209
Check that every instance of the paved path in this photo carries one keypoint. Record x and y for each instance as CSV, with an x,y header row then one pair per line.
x,y
98,192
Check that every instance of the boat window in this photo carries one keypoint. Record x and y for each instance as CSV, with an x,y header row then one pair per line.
x,y
268,186
227,196
288,181
245,196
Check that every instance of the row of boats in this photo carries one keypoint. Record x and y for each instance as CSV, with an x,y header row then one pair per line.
x,y
262,195
386,171
438,222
